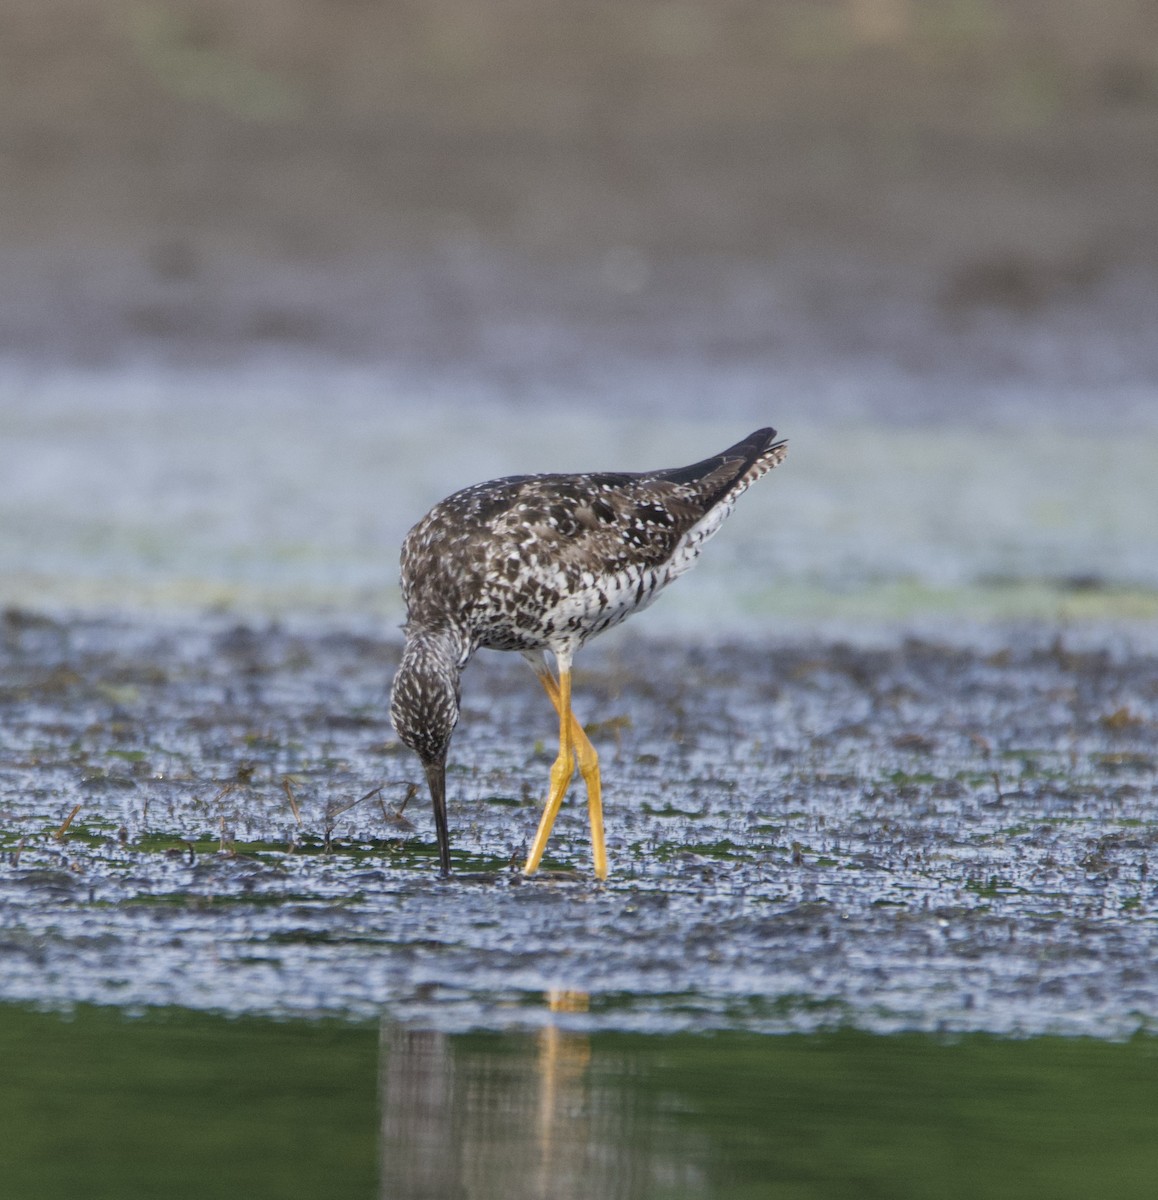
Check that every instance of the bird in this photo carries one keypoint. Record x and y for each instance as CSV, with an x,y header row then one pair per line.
x,y
544,563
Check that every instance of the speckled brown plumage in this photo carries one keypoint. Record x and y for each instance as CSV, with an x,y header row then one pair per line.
x,y
546,562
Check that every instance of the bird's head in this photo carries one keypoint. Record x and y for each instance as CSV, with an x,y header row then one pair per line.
x,y
424,704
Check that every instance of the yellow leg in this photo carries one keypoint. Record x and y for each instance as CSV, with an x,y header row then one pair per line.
x,y
562,769
588,767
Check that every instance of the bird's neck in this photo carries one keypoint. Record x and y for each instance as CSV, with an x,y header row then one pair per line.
x,y
425,697
439,650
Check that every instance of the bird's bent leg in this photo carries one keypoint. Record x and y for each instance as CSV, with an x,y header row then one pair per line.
x,y
562,770
588,767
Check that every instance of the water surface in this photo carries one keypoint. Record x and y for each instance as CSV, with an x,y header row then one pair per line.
x,y
280,492
178,1103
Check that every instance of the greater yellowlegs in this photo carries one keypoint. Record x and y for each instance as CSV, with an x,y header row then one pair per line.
x,y
545,562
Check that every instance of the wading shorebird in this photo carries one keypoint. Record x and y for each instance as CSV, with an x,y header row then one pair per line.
x,y
545,562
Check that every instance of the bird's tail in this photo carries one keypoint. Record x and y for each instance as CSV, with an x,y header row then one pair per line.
x,y
763,453
725,475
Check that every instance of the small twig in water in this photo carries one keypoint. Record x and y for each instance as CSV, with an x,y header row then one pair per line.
x,y
287,787
394,815
59,834
225,790
333,813
341,812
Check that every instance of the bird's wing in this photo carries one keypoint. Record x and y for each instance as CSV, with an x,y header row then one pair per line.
x,y
602,523
609,521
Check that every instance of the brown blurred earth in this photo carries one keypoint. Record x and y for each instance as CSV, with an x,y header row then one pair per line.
x,y
522,187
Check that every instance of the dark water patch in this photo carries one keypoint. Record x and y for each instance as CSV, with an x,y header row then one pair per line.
x,y
174,1102
181,1104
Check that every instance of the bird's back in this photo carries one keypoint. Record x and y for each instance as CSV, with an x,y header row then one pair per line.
x,y
528,562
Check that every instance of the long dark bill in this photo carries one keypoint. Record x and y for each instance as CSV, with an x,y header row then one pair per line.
x,y
436,778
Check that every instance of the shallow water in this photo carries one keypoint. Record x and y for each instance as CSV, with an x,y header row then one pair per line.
x,y
802,836
286,492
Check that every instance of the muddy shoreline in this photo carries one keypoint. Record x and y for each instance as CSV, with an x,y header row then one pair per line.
x,y
802,833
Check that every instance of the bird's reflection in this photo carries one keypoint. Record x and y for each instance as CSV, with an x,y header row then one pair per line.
x,y
564,1124
420,1144
489,1115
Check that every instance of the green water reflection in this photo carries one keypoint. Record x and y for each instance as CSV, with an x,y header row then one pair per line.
x,y
175,1104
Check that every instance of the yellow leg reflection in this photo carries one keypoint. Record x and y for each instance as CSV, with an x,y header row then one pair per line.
x,y
588,759
563,1062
